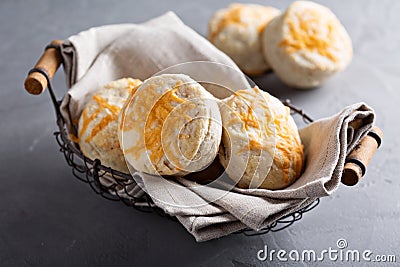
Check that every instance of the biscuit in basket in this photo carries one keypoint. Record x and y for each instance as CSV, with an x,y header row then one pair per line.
x,y
261,147
306,45
236,31
98,124
170,126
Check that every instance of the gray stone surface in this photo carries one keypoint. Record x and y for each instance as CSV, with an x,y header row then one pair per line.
x,y
49,218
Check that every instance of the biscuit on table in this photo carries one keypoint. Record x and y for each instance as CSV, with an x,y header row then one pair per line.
x,y
236,31
306,45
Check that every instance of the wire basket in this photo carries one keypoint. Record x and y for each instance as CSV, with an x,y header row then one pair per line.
x,y
90,171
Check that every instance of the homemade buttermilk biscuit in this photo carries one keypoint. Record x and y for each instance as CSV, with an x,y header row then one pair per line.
x,y
261,147
306,45
236,31
170,126
98,124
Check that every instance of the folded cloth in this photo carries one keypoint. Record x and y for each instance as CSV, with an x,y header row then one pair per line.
x,y
99,55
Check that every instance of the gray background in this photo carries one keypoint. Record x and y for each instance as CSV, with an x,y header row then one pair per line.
x,y
47,217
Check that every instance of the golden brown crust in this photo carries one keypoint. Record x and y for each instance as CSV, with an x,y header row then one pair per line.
x,y
237,29
261,144
98,124
170,126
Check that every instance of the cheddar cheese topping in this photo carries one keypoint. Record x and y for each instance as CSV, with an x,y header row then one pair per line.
x,y
310,30
167,108
159,113
112,115
245,102
112,111
242,15
268,127
133,85
288,145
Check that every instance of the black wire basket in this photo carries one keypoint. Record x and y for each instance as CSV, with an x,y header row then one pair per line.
x,y
91,171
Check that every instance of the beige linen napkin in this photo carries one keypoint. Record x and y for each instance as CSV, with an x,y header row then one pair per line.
x,y
99,55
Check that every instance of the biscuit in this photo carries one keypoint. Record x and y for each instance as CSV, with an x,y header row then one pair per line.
x,y
98,124
236,31
306,45
171,126
261,147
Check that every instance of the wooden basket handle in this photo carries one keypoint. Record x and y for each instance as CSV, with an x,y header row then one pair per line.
x,y
358,160
49,62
